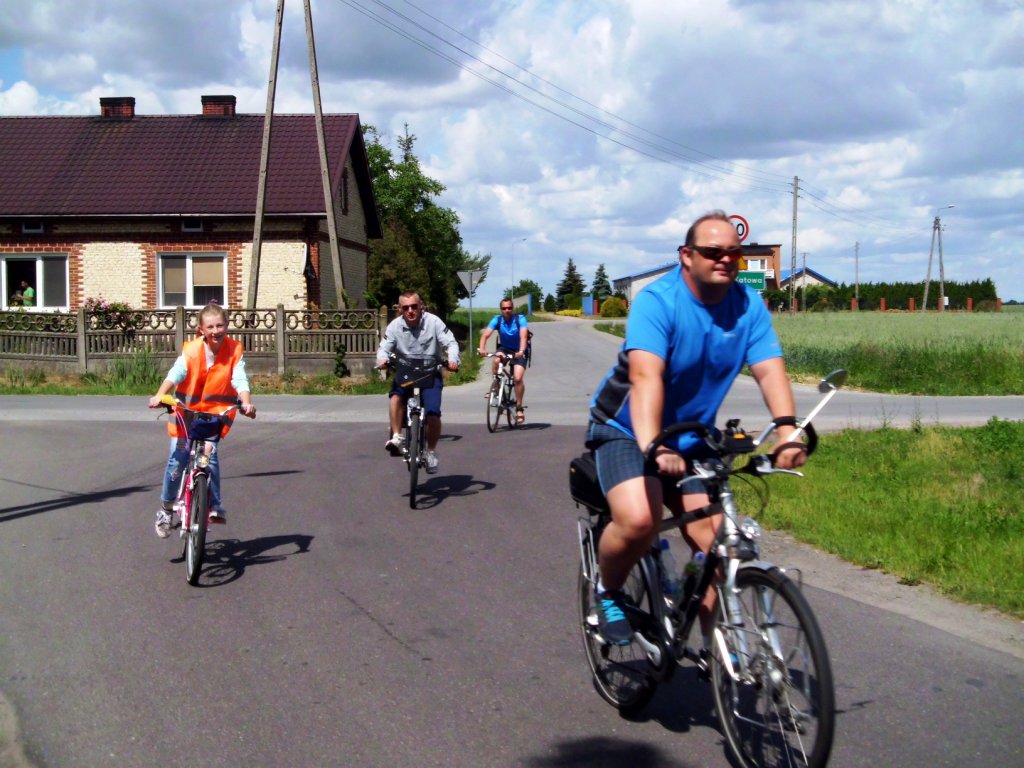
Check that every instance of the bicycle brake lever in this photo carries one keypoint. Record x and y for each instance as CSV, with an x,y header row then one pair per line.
x,y
762,465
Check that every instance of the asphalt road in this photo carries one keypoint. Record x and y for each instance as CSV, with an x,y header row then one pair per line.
x,y
334,626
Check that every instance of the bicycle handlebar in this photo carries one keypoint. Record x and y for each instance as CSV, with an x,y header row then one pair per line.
x,y
169,402
735,441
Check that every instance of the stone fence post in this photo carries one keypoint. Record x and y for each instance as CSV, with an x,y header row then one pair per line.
x,y
279,328
83,346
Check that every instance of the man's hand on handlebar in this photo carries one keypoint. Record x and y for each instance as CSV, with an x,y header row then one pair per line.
x,y
669,462
451,365
788,455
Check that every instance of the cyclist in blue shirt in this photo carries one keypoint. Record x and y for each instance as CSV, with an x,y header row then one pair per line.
x,y
513,337
689,334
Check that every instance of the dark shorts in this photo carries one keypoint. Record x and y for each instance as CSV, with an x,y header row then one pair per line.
x,y
521,361
429,398
619,458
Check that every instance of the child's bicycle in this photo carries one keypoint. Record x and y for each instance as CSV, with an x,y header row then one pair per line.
x,y
193,502
501,398
768,664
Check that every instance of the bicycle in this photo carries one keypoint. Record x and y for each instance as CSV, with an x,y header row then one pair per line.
x,y
768,664
193,503
502,396
419,373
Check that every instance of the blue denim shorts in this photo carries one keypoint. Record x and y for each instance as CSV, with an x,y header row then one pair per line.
x,y
430,399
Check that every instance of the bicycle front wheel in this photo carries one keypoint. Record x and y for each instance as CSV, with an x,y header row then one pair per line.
x,y
622,674
508,401
494,405
778,706
195,536
414,456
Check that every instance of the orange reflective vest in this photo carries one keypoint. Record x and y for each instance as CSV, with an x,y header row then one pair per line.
x,y
207,389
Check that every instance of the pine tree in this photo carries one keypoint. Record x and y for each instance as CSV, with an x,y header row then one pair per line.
x,y
572,285
601,289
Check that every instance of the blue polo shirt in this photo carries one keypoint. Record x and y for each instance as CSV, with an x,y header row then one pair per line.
x,y
704,347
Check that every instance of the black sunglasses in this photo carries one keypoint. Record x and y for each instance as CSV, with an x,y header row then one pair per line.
x,y
406,307
715,253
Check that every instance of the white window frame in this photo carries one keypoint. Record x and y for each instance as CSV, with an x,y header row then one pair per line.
x,y
192,225
188,256
38,285
32,227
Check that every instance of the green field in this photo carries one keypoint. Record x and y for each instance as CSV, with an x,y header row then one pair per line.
x,y
953,353
915,354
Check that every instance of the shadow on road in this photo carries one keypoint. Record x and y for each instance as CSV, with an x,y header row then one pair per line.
x,y
440,487
679,705
602,751
227,559
69,500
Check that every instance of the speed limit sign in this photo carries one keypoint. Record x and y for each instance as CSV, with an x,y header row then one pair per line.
x,y
742,227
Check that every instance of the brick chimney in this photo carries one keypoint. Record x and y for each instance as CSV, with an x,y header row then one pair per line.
x,y
218,106
117,107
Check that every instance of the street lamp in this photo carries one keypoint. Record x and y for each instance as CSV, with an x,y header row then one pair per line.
x,y
936,234
512,288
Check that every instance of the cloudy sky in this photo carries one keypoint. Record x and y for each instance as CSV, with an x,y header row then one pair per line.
x,y
598,130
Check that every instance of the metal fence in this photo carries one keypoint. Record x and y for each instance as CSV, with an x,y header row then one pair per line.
x,y
274,340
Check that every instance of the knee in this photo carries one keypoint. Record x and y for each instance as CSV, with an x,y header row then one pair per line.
x,y
636,523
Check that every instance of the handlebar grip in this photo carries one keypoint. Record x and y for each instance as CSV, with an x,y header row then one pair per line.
x,y
809,446
698,427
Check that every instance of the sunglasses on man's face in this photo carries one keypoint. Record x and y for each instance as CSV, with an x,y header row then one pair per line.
x,y
506,309
407,307
714,253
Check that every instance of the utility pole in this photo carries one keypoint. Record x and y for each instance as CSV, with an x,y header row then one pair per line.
x,y
803,286
261,192
325,173
936,234
332,225
792,268
856,273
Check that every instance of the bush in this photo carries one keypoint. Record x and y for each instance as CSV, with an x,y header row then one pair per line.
x,y
613,306
985,305
340,366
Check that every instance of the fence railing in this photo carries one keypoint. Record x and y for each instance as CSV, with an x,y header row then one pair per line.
x,y
274,340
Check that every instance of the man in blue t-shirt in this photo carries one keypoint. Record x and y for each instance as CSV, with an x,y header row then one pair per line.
x,y
513,338
688,336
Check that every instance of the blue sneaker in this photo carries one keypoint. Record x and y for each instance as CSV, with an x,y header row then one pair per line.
x,y
611,617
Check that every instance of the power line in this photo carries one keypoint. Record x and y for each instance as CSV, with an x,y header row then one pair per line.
x,y
712,167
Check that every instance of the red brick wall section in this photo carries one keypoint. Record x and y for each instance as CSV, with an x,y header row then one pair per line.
x,y
149,256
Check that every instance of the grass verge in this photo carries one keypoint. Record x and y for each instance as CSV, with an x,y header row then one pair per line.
x,y
876,500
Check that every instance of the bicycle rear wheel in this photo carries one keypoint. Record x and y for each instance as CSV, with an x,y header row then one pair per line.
x,y
195,536
622,674
414,456
494,405
779,710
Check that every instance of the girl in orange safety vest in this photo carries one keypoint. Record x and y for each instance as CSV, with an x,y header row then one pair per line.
x,y
209,375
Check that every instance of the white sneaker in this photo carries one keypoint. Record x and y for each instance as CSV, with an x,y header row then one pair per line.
x,y
431,459
395,446
163,523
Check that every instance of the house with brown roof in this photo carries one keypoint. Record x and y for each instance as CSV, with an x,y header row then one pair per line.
x,y
159,210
